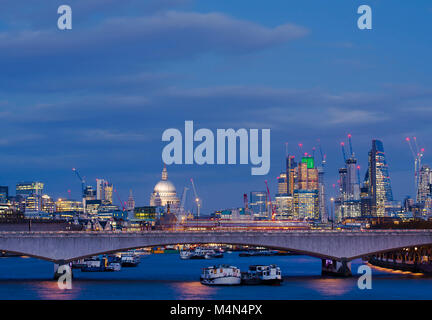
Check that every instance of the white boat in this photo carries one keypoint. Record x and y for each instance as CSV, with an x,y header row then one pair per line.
x,y
185,254
129,260
199,253
221,275
261,274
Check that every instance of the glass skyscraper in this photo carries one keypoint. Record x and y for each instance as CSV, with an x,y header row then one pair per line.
x,y
378,180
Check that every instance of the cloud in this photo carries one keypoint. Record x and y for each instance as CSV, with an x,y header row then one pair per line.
x,y
349,117
165,35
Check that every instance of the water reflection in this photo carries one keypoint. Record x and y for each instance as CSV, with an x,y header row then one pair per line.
x,y
193,290
332,286
49,290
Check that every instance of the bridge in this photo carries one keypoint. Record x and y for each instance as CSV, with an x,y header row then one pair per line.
x,y
339,246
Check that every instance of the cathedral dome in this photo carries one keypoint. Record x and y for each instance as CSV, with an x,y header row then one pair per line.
x,y
164,192
164,187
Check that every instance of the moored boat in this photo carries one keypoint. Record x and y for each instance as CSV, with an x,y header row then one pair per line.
x,y
221,275
262,274
200,253
129,260
94,264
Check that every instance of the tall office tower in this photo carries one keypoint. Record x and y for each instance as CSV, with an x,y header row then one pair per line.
x,y
282,200
90,193
307,174
100,189
29,188
343,183
108,190
321,195
290,174
352,183
306,194
365,202
378,182
424,184
348,203
282,183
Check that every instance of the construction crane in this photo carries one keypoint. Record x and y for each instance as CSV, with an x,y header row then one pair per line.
x,y
82,181
408,140
197,199
323,156
121,202
417,154
300,145
183,200
350,145
343,150
270,202
358,174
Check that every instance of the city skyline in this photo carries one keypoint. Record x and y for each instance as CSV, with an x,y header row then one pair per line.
x,y
70,99
333,189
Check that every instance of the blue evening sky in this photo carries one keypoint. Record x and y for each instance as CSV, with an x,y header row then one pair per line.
x,y
99,96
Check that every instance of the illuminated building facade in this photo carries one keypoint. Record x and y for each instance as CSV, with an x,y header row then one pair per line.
x,y
306,194
48,204
146,213
282,183
424,184
108,190
284,206
322,195
65,205
307,175
29,188
104,190
306,204
378,180
33,203
4,194
291,174
258,204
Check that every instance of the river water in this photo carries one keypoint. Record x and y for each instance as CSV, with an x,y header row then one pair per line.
x,y
166,276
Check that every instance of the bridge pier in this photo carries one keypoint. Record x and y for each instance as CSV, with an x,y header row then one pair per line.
x,y
339,268
66,270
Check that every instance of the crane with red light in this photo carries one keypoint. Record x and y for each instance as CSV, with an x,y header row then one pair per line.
x,y
118,198
270,202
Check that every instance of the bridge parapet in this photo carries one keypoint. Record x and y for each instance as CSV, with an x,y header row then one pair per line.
x,y
329,244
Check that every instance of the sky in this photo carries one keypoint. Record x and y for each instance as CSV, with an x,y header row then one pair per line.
x,y
98,97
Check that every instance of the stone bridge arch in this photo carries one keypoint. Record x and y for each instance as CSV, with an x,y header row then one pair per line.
x,y
61,247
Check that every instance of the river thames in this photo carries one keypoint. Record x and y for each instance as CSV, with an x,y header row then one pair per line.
x,y
166,276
